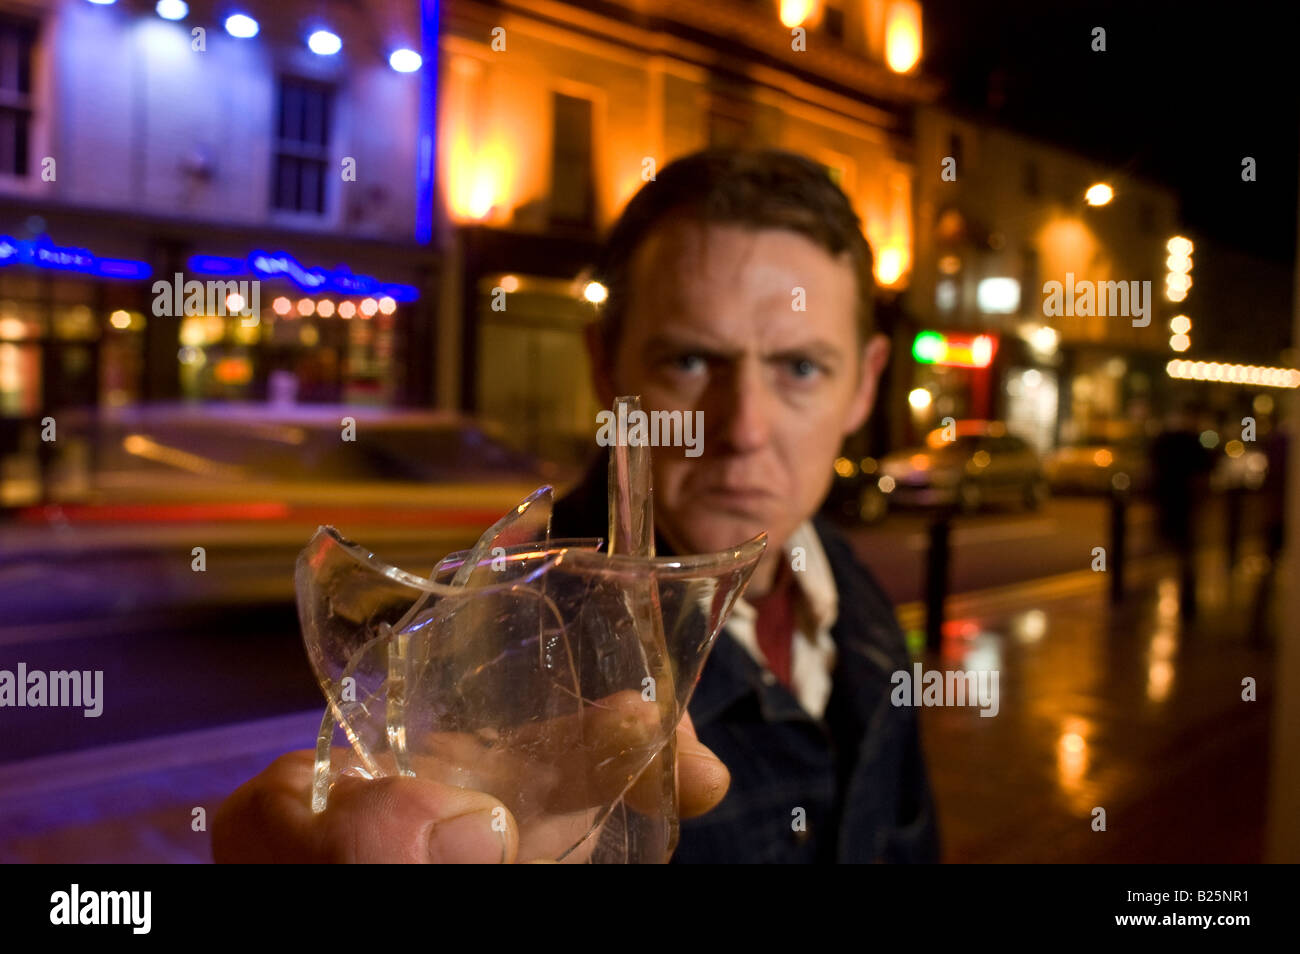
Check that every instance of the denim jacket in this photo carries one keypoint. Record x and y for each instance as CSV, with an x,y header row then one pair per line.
x,y
851,787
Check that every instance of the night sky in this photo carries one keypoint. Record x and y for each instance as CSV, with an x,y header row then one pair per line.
x,y
1182,93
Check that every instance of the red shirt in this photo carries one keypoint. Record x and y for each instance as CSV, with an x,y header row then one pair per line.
x,y
774,626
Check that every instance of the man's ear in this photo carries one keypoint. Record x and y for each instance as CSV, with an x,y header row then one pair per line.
x,y
875,355
602,363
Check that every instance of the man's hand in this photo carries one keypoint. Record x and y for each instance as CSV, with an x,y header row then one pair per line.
x,y
269,818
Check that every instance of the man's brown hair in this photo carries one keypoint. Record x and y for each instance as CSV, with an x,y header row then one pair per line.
x,y
757,188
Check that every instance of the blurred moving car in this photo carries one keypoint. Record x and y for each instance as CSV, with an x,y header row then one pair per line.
x,y
1097,465
259,461
244,487
969,465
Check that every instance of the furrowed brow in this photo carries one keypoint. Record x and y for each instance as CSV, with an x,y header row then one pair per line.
x,y
676,344
817,350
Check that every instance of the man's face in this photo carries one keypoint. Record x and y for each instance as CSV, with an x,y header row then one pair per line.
x,y
712,326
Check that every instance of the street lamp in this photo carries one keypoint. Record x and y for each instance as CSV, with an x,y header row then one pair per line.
x,y
1099,194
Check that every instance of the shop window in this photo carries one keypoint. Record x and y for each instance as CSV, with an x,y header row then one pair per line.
x,y
572,186
302,147
17,38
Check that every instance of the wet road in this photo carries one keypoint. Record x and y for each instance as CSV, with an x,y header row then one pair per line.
x,y
238,656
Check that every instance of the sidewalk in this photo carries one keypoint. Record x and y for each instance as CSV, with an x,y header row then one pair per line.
x,y
1121,708
135,802
1124,709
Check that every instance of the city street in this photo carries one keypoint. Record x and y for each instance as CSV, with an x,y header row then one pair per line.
x,y
183,651
1092,696
298,301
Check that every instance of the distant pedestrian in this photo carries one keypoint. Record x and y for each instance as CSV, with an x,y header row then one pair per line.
x,y
1179,467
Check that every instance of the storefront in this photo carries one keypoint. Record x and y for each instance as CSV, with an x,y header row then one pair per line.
x,y
952,377
69,341
312,335
95,322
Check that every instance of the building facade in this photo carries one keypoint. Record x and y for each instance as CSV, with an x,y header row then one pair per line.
x,y
182,144
1000,217
552,115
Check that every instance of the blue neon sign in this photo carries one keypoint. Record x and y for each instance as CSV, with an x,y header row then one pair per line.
x,y
340,280
42,253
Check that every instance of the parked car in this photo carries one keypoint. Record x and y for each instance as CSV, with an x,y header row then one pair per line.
x,y
1239,468
968,465
1098,465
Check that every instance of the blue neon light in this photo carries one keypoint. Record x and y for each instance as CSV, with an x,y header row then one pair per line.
x,y
340,280
42,253
424,159
217,265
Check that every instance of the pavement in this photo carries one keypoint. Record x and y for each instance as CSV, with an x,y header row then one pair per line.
x,y
1124,708
1124,716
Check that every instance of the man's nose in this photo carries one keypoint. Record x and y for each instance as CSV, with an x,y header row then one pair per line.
x,y
746,410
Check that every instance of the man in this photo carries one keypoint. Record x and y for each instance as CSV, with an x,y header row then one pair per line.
x,y
1180,466
740,286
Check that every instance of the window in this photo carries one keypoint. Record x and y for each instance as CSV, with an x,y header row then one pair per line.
x,y
833,22
572,185
954,150
1028,274
302,150
16,40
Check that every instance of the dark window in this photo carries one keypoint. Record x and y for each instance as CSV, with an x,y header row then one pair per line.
x,y
954,149
833,22
1032,185
572,184
1028,276
16,40
302,149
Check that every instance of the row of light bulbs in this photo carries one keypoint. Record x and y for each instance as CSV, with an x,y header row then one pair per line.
x,y
241,26
325,308
1233,373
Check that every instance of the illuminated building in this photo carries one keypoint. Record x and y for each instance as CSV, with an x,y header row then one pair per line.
x,y
138,146
550,125
999,217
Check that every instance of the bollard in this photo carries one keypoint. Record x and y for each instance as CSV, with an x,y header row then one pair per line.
x,y
1118,526
936,578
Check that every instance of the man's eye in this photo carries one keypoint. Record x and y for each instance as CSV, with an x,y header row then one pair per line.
x,y
804,367
689,363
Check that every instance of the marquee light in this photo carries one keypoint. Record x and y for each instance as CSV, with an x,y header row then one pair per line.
x,y
1251,374
340,280
42,253
1178,280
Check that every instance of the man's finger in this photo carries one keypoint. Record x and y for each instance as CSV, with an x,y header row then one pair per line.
x,y
269,819
702,779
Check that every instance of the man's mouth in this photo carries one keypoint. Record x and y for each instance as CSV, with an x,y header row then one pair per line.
x,y
745,496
